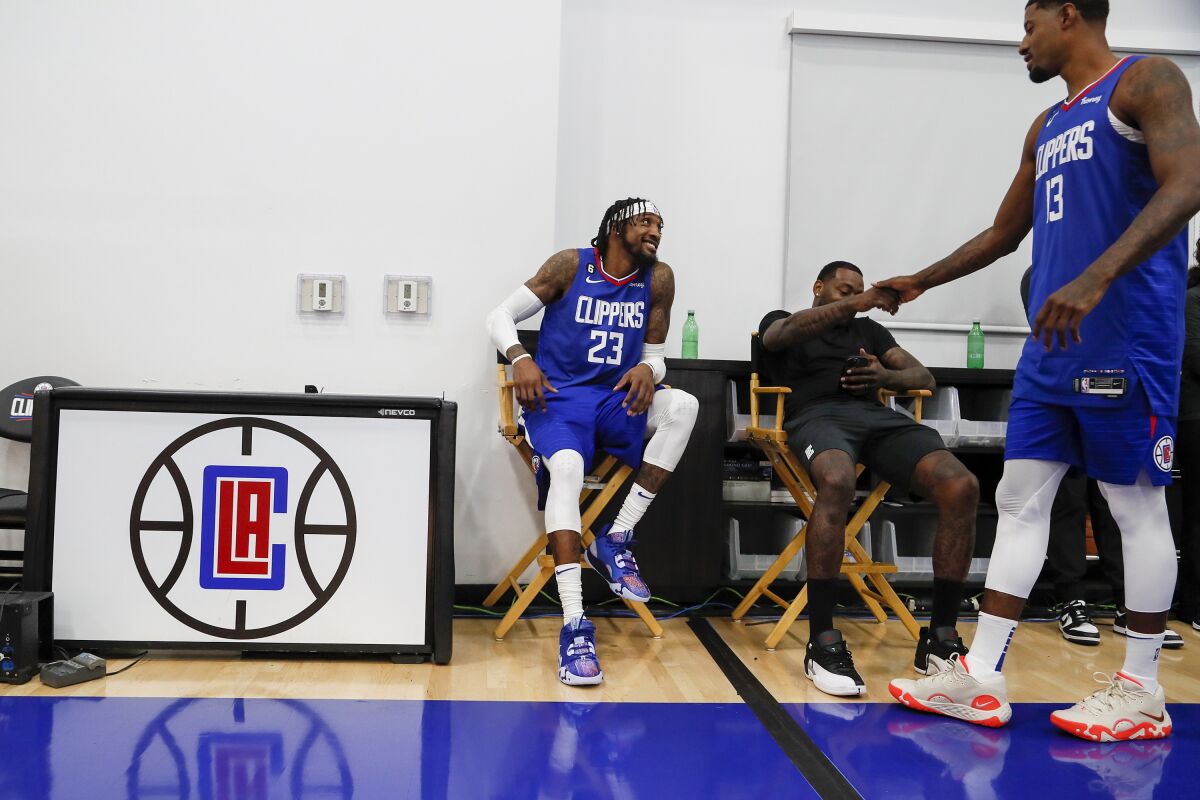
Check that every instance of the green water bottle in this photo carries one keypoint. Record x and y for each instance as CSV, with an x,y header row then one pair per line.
x,y
975,347
691,336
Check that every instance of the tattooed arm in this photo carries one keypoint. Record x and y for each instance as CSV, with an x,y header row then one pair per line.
x,y
810,323
639,381
1154,97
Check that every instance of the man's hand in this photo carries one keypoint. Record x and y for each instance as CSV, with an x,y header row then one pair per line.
x,y
858,380
640,381
881,298
1065,309
529,383
906,287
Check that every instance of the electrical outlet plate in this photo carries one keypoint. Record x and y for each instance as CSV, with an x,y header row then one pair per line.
x,y
407,296
321,295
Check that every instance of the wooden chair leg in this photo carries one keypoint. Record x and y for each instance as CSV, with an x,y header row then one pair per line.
x,y
897,605
523,600
768,577
514,574
787,619
873,606
646,617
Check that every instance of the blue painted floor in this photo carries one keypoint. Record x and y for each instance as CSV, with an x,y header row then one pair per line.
x,y
888,751
258,749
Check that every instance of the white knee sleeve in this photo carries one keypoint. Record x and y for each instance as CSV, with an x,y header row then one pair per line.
x,y
1146,544
566,482
669,425
1024,499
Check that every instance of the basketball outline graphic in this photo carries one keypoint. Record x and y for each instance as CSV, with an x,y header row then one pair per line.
x,y
138,527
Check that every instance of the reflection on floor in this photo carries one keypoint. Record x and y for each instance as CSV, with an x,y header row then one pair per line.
x,y
886,750
258,749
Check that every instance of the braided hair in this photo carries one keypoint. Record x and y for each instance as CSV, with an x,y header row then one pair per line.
x,y
617,217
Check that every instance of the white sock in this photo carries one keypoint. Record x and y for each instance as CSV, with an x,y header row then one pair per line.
x,y
569,578
635,505
1141,657
988,648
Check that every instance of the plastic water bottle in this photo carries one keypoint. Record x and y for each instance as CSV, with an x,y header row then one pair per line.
x,y
975,347
691,336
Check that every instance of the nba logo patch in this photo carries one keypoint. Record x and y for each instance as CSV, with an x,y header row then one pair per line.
x,y
1164,453
235,527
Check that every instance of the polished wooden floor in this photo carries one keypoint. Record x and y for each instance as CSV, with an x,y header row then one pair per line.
x,y
1042,667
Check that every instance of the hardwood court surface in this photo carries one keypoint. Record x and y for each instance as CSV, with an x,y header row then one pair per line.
x,y
1042,667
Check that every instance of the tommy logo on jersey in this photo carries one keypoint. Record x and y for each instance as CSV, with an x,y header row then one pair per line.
x,y
235,527
1164,453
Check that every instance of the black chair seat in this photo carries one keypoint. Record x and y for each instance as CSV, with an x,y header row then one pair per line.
x,y
12,508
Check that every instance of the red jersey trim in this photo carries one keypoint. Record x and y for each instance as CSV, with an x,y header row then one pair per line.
x,y
614,281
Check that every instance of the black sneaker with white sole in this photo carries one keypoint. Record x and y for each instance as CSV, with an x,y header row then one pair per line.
x,y
1076,625
1171,639
934,649
829,664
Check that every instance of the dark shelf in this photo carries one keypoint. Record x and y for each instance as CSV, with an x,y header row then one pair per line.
x,y
764,504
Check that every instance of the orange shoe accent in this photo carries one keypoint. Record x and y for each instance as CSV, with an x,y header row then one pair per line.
x,y
1096,733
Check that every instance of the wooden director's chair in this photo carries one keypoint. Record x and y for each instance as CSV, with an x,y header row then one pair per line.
x,y
598,490
858,567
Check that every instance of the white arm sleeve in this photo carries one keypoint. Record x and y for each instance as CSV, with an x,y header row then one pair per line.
x,y
502,321
653,355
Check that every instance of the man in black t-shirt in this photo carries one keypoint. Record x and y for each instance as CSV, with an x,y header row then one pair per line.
x,y
834,420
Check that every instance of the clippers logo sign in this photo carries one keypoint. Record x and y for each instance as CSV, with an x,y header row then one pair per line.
x,y
252,525
22,408
235,528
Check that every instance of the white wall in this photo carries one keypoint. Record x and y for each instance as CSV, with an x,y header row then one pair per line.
x,y
166,169
685,102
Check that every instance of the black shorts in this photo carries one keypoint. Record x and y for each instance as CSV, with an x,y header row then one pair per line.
x,y
887,442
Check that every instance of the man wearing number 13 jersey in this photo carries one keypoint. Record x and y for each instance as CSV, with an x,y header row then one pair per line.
x,y
1108,181
594,383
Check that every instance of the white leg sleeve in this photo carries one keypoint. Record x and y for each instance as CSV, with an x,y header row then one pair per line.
x,y
1146,544
669,425
1023,499
566,482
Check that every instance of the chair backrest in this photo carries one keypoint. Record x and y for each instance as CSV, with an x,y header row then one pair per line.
x,y
760,361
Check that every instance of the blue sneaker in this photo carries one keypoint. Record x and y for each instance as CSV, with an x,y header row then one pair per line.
x,y
577,661
611,557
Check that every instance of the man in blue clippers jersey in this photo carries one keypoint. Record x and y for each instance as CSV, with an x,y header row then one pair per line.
x,y
1108,181
593,384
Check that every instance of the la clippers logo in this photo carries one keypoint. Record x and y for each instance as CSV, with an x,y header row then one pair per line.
x,y
22,408
1164,453
235,527
252,526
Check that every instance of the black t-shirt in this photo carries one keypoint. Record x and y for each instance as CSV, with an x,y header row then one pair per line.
x,y
813,369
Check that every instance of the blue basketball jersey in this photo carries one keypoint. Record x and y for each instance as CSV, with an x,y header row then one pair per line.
x,y
1092,181
593,334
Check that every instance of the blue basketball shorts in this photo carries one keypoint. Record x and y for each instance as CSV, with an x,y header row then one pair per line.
x,y
1112,445
584,418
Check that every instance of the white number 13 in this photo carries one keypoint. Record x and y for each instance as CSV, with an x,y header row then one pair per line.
x,y
603,339
1054,199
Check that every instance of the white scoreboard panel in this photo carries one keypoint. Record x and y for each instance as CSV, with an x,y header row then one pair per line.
x,y
250,522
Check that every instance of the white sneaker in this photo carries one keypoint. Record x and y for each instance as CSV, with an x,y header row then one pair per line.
x,y
1076,625
955,692
1122,710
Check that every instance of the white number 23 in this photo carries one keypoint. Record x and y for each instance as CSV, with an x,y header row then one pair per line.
x,y
603,340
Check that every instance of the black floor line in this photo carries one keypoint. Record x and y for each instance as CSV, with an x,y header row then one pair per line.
x,y
813,764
